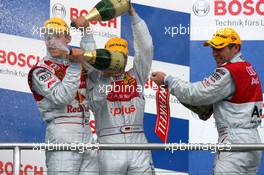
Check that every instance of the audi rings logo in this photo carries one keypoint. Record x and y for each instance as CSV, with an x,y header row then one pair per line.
x,y
201,8
58,10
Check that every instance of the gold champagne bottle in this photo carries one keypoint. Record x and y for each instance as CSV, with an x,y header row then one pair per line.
x,y
103,59
106,10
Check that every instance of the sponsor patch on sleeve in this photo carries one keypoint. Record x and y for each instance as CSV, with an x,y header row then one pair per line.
x,y
46,77
214,78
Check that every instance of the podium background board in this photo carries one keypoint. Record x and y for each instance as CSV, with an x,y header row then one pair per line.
x,y
178,51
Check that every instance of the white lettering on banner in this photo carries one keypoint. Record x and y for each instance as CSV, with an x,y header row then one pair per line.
x,y
7,169
174,31
20,59
236,7
74,13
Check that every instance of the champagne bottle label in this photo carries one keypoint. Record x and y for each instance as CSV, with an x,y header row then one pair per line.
x,y
103,59
117,62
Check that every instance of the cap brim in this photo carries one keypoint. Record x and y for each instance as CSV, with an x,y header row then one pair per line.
x,y
215,43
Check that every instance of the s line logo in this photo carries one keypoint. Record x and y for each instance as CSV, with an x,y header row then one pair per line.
x,y
235,7
122,110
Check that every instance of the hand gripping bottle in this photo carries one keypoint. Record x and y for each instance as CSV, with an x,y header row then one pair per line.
x,y
87,44
104,11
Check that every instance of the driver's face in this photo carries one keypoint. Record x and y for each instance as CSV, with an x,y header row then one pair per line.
x,y
224,54
57,44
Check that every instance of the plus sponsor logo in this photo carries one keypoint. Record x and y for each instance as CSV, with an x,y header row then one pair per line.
x,y
122,110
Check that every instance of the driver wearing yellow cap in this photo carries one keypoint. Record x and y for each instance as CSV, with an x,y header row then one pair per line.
x,y
223,37
117,101
116,45
59,88
233,94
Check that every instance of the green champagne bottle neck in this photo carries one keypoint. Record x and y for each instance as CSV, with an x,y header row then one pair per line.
x,y
108,9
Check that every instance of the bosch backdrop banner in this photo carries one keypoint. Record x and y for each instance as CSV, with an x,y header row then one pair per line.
x,y
169,24
69,10
244,15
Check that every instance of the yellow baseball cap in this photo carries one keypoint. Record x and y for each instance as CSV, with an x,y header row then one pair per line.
x,y
117,44
57,25
223,37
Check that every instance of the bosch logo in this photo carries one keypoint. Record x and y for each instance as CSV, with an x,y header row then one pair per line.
x,y
74,13
18,59
58,10
201,8
235,7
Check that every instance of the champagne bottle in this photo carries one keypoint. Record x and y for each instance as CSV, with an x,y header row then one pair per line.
x,y
100,59
103,59
105,10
